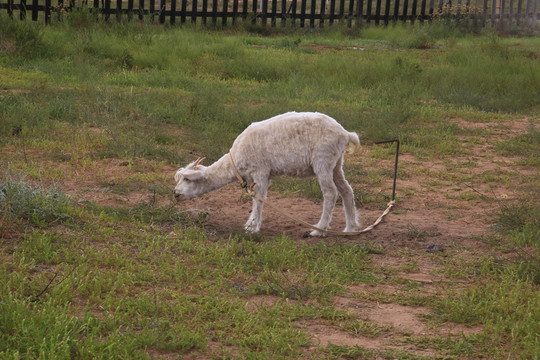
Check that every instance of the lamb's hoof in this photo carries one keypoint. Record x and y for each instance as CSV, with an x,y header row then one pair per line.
x,y
251,229
306,234
317,233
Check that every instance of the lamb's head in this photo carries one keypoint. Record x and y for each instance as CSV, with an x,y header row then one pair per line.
x,y
190,181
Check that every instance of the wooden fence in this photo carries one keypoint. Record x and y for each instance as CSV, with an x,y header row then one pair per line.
x,y
312,13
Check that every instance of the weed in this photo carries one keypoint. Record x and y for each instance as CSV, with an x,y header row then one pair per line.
x,y
282,285
364,328
516,216
417,234
526,145
519,221
20,200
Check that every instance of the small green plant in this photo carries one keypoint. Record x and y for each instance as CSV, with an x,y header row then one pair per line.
x,y
20,200
526,145
520,222
284,285
515,216
365,328
417,234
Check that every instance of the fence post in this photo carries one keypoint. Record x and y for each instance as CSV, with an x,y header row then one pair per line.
x,y
194,12
264,11
293,7
312,13
274,11
47,12
118,10
183,12
413,12
405,7
10,8
386,12
396,10
172,19
34,10
130,9
162,4
323,10
302,13
235,11
107,9
225,11
351,12
141,10
214,11
332,11
204,11
378,12
244,9
22,9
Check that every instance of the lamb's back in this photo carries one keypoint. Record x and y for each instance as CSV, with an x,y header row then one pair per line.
x,y
286,144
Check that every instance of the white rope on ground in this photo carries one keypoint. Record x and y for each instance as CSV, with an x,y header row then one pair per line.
x,y
253,194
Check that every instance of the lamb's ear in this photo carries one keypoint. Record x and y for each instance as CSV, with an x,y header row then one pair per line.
x,y
178,174
194,175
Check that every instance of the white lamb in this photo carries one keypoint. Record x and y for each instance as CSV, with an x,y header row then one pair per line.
x,y
292,144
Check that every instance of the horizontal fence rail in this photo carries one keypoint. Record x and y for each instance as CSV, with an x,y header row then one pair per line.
x,y
496,13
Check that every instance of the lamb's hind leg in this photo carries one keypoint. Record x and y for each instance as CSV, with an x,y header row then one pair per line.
x,y
253,225
347,195
329,191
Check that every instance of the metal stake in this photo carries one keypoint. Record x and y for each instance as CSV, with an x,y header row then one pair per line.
x,y
395,165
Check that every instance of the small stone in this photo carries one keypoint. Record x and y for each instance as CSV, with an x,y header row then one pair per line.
x,y
433,248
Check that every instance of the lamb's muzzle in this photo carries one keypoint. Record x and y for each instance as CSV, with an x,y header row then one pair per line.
x,y
291,144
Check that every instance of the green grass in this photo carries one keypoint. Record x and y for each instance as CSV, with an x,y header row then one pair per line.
x,y
20,200
107,111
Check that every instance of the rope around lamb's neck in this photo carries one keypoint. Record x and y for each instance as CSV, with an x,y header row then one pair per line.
x,y
253,194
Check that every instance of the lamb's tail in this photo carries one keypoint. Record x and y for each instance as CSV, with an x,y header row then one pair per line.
x,y
354,142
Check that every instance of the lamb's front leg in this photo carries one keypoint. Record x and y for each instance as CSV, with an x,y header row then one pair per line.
x,y
253,225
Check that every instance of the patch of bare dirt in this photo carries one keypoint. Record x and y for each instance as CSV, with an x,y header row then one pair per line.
x,y
507,128
15,91
323,333
254,303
